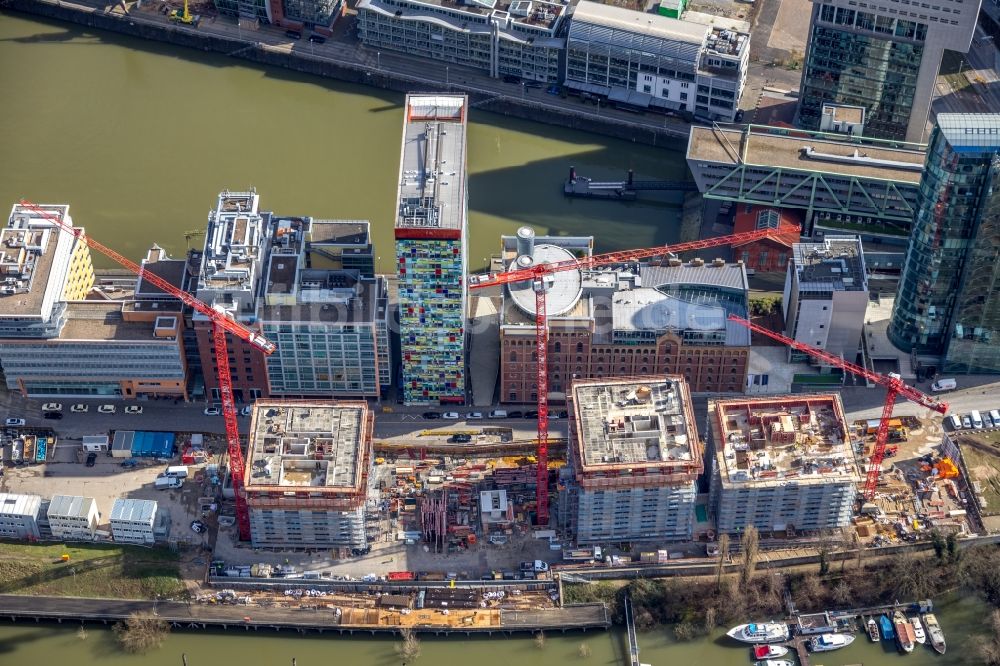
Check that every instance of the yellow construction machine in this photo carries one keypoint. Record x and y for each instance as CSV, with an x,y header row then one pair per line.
x,y
185,16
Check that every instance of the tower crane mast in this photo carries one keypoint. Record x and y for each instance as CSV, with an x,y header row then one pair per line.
x,y
537,275
894,388
222,323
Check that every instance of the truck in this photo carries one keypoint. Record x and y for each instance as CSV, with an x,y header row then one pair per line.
x,y
944,385
167,482
176,472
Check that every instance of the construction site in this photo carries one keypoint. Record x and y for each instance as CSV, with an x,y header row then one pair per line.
x,y
783,464
307,474
635,458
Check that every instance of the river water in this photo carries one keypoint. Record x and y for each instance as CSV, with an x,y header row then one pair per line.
x,y
25,644
139,138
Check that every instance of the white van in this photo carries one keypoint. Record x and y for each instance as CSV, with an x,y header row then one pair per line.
x,y
977,420
177,472
995,415
956,422
498,414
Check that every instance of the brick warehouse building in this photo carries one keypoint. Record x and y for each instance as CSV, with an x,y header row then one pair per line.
x,y
608,323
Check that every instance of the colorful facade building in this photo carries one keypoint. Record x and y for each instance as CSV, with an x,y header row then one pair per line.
x,y
430,234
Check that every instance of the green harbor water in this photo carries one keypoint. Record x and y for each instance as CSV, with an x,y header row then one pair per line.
x,y
28,643
140,137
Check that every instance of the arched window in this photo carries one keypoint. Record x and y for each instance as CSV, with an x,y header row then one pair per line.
x,y
557,346
579,348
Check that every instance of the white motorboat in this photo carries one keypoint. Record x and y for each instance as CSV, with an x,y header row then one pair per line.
x,y
827,642
760,632
918,629
768,651
934,632
773,662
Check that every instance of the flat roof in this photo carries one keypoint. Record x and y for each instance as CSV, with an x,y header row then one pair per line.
x,y
782,439
637,423
757,147
27,249
971,132
171,270
644,23
340,232
432,167
133,510
102,320
12,504
70,506
318,447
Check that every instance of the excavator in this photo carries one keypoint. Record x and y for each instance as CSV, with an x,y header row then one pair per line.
x,y
185,16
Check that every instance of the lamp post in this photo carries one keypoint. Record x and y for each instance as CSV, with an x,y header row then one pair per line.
x,y
378,60
447,76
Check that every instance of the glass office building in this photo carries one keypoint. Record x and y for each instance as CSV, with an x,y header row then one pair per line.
x,y
949,295
882,55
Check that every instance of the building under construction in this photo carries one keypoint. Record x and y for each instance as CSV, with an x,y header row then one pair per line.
x,y
634,458
307,473
782,464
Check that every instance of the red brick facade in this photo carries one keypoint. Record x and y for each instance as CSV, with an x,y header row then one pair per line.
x,y
247,365
767,255
715,369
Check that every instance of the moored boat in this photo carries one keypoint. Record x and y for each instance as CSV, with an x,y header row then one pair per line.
x,y
904,632
934,633
885,625
918,629
760,632
768,651
872,627
773,662
827,642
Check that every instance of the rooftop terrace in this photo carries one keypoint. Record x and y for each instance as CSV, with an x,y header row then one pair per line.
x,y
786,439
837,264
27,249
638,430
320,447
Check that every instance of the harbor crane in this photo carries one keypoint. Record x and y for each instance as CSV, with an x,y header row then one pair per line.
x,y
893,384
540,278
223,324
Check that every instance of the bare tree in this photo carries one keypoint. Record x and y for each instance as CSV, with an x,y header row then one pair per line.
x,y
723,555
749,547
409,647
140,633
583,651
540,640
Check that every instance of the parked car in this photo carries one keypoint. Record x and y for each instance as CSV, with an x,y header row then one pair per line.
x,y
52,407
564,414
460,439
52,416
516,414
473,416
80,408
531,414
317,39
107,409
293,34
212,411
452,416
966,421
432,415
14,423
129,463
91,459
133,409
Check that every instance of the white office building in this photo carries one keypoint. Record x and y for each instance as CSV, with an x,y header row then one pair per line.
x,y
643,60
826,295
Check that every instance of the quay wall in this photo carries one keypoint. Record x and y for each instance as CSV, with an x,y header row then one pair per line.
x,y
136,25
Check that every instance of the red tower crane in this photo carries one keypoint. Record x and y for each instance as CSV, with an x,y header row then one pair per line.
x,y
222,323
537,275
893,385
